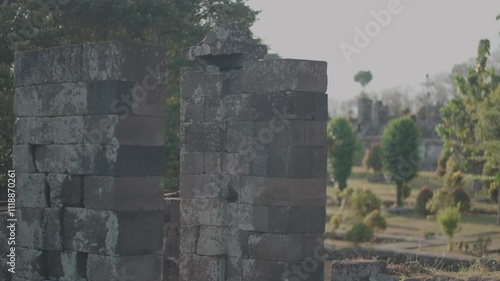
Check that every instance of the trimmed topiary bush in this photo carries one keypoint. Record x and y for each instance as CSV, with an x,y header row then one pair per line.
x,y
441,199
423,197
359,233
376,221
363,202
448,219
461,196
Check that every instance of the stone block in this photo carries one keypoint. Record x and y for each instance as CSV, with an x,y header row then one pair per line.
x,y
321,107
284,106
30,264
189,238
66,265
65,190
239,107
193,110
49,130
281,132
207,212
212,162
232,82
309,269
60,159
197,84
283,247
65,64
172,229
31,191
289,162
282,191
171,247
144,267
39,228
60,99
211,241
205,186
170,269
202,137
315,133
200,268
360,270
275,219
263,270
123,193
171,207
240,136
235,164
23,158
191,163
233,269
113,233
319,162
124,61
125,130
124,160
30,68
285,75
213,108
258,161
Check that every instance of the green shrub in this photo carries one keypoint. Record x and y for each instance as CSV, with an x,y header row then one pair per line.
x,y
373,158
376,221
423,197
493,192
406,191
335,221
359,233
448,219
456,179
452,166
441,199
363,202
441,163
461,197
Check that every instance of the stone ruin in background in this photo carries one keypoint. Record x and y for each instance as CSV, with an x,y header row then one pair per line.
x,y
90,161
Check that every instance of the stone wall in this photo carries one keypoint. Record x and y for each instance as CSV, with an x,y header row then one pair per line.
x,y
90,160
253,163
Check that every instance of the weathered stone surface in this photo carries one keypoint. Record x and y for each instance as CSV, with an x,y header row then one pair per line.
x,y
65,190
207,212
31,191
211,241
49,130
66,265
124,61
39,228
232,82
321,107
172,210
170,269
282,191
189,238
283,247
239,136
205,186
30,68
112,233
124,160
60,159
200,268
281,132
193,110
30,265
319,162
23,158
124,98
198,84
125,130
276,219
171,247
192,163
263,270
226,46
202,137
123,193
65,64
104,268
235,164
360,270
51,100
212,162
285,75
315,133
233,269
289,162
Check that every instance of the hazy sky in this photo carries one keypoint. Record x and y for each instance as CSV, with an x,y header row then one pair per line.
x,y
422,36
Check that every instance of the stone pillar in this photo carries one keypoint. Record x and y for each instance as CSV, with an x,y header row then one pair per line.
x,y
253,163
364,111
90,161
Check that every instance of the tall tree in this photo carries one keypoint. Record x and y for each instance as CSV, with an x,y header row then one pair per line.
x,y
342,145
460,116
173,24
400,152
